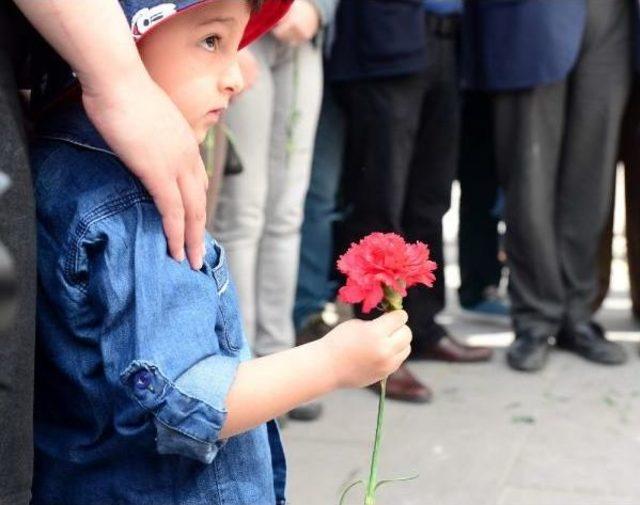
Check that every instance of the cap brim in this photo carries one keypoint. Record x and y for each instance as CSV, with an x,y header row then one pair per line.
x,y
263,20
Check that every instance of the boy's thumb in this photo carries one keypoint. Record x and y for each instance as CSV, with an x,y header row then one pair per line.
x,y
391,321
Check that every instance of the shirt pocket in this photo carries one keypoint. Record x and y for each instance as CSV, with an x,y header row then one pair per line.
x,y
229,323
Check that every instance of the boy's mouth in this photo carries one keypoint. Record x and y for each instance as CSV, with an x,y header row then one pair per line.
x,y
216,114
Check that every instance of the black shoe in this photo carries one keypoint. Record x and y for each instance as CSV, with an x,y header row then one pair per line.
x,y
529,352
588,341
309,411
317,325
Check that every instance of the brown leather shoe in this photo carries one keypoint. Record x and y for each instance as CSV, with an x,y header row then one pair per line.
x,y
449,349
404,387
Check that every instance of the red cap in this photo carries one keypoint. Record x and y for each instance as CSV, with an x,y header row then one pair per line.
x,y
145,15
263,20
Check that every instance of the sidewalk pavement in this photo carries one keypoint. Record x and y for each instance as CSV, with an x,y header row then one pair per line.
x,y
567,436
570,435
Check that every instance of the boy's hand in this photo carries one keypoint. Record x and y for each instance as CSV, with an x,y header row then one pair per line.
x,y
150,135
364,352
299,25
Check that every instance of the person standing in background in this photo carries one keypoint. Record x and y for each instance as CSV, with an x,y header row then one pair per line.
x,y
561,73
314,312
432,171
393,67
479,241
375,69
630,157
260,209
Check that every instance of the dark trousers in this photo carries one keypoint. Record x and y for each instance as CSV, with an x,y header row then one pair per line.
x,y
556,147
381,122
630,156
17,234
433,169
381,125
478,238
402,144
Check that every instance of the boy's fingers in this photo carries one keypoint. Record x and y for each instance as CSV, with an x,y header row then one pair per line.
x,y
404,355
194,198
169,203
400,358
386,324
401,339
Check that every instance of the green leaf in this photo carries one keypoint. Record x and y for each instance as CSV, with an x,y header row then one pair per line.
x,y
349,488
399,479
208,151
523,420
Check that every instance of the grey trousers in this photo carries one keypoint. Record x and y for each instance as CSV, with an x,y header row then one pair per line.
x,y
556,150
260,210
17,329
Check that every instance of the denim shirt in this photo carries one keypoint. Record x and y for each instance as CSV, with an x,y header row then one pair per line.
x,y
135,352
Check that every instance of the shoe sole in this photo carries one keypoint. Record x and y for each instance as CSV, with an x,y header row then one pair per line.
x,y
590,359
530,370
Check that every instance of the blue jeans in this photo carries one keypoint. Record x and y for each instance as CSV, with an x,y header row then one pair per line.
x,y
316,250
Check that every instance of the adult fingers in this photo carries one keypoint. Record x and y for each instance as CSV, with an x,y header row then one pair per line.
x,y
169,203
194,198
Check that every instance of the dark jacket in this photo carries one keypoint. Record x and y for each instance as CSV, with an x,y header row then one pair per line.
x,y
513,44
377,38
517,44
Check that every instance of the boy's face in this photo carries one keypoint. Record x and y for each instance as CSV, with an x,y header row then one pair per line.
x,y
193,57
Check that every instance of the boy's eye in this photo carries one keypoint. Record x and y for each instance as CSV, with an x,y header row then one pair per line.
x,y
211,43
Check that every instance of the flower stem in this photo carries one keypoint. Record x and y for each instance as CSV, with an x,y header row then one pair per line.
x,y
392,299
370,498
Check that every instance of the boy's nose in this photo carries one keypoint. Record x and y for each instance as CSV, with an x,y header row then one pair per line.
x,y
232,81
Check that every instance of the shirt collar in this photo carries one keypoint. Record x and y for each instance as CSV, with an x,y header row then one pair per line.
x,y
70,123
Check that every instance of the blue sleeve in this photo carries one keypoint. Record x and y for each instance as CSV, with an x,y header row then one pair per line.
x,y
159,334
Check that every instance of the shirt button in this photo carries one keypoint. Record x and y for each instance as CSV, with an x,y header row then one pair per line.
x,y
142,379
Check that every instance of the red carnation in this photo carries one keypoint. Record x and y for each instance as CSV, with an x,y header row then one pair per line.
x,y
381,267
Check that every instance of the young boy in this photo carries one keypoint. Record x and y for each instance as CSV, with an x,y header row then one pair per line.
x,y
146,393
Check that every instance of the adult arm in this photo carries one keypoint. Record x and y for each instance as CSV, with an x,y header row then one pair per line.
x,y
300,24
136,118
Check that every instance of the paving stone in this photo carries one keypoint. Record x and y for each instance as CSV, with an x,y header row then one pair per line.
x,y
514,496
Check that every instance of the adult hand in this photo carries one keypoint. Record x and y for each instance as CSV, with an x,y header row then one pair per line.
x,y
299,25
135,117
150,135
249,67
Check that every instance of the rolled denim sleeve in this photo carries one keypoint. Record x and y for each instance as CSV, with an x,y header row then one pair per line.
x,y
160,342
